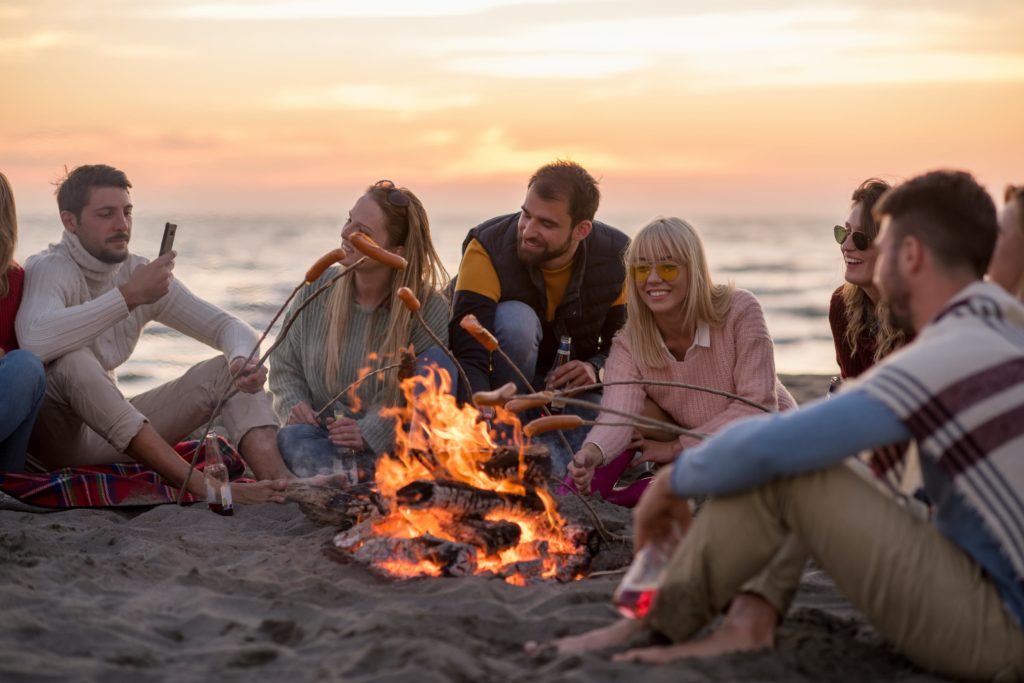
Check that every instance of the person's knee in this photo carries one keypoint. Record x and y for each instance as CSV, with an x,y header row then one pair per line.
x,y
73,368
24,373
518,328
435,359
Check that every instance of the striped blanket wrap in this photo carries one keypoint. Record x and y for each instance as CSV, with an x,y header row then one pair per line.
x,y
959,389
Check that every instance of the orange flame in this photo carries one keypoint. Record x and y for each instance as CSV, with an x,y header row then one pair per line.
x,y
447,441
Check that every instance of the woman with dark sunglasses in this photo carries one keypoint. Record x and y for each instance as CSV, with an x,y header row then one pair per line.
x,y
359,325
680,327
860,334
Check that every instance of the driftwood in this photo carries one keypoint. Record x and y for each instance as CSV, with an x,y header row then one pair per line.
x,y
339,507
465,500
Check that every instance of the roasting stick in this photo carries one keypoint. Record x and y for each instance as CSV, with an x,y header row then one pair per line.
x,y
408,298
314,272
364,245
344,391
663,383
487,340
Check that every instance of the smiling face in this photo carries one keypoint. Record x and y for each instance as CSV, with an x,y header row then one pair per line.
x,y
661,284
368,218
860,265
547,237
104,226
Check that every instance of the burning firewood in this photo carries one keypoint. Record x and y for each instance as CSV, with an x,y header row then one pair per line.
x,y
329,505
492,537
450,557
504,465
465,500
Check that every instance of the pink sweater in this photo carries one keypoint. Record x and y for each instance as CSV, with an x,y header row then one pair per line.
x,y
740,360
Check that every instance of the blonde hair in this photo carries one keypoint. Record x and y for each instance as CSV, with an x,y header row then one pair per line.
x,y
676,240
406,226
8,232
1015,193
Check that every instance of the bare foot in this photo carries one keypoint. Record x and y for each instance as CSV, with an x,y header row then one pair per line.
x,y
254,493
616,633
749,625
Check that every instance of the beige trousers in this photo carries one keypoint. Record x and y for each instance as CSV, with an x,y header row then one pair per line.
x,y
86,420
919,589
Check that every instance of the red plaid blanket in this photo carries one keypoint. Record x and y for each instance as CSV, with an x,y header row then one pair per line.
x,y
108,485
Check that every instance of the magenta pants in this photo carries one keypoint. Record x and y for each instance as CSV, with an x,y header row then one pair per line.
x,y
605,478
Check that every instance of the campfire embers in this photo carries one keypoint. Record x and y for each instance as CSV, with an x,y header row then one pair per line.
x,y
455,503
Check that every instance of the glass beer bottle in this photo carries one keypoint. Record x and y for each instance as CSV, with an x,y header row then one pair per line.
x,y
635,595
561,358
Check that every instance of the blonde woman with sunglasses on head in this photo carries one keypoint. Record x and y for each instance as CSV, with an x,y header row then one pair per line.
x,y
680,327
359,324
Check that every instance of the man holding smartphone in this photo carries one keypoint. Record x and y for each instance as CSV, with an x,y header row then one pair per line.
x,y
86,302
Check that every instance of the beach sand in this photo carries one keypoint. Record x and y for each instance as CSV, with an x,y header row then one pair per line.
x,y
181,594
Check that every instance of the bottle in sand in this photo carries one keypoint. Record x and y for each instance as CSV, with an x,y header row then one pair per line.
x,y
634,596
561,358
215,472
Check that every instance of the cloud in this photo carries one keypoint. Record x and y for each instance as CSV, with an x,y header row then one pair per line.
x,y
35,42
579,65
328,9
372,96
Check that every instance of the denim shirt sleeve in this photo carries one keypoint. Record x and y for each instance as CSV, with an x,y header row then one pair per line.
x,y
758,449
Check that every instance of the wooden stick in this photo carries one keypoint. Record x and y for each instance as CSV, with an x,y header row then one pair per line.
x,y
647,421
230,390
663,383
344,391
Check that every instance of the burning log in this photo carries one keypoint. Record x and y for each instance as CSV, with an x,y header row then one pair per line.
x,y
342,508
504,465
492,537
451,558
465,500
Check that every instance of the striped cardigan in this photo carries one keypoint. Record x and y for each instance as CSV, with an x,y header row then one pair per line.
x,y
959,388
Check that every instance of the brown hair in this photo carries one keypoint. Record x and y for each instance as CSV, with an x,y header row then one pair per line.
x,y
8,232
73,191
861,313
570,181
952,215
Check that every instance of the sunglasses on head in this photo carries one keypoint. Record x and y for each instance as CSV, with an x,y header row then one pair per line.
x,y
666,270
860,240
394,196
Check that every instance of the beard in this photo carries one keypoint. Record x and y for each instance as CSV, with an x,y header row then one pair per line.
x,y
539,258
895,300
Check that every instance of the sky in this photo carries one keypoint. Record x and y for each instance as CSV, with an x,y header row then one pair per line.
x,y
734,107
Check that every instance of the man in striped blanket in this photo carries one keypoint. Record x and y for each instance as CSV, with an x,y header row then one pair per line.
x,y
946,592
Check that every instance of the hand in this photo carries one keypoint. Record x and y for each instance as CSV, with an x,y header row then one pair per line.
x,y
660,452
575,373
583,465
345,432
660,514
302,414
487,413
266,491
149,282
251,378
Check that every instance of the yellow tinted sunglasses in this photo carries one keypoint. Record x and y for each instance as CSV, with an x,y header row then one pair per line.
x,y
666,270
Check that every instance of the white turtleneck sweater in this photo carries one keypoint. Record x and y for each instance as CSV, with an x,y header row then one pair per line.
x,y
72,301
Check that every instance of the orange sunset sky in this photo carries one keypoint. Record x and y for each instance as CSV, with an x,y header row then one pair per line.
x,y
729,107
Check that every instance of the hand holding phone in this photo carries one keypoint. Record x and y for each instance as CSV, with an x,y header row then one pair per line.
x,y
167,243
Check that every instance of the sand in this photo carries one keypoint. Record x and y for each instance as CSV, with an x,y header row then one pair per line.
x,y
181,594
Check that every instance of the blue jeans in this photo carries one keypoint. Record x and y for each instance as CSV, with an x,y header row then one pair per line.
x,y
308,451
519,331
24,382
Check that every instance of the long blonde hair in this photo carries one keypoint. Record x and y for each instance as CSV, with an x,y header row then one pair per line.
x,y
406,226
8,232
676,240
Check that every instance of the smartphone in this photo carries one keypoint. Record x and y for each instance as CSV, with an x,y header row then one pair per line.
x,y
168,241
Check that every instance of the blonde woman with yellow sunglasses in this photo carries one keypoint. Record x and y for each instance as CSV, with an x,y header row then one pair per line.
x,y
680,327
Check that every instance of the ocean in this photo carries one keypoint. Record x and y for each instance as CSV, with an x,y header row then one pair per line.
x,y
249,264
